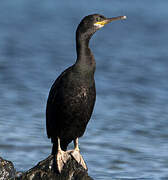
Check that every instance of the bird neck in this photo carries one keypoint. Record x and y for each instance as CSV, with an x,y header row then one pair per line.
x,y
84,54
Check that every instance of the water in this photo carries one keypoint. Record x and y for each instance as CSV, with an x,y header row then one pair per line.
x,y
127,135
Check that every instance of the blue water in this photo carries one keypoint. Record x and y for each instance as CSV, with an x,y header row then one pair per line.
x,y
127,137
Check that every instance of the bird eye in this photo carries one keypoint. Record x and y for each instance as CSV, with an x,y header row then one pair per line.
x,y
98,19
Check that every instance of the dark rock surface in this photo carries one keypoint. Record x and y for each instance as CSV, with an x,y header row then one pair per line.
x,y
7,169
44,171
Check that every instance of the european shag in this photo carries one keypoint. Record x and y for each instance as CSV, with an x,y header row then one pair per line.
x,y
72,96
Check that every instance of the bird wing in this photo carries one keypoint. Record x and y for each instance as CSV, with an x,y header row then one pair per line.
x,y
52,108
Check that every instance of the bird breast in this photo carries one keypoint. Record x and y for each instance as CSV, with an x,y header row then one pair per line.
x,y
82,93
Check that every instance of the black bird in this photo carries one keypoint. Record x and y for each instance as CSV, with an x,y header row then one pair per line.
x,y
72,96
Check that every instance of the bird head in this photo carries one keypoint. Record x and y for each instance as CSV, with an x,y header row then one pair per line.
x,y
91,23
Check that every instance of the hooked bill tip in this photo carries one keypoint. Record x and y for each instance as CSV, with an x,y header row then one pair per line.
x,y
124,17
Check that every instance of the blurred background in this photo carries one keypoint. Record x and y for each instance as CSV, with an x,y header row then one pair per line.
x,y
127,137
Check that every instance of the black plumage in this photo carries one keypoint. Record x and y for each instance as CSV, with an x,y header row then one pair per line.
x,y
72,96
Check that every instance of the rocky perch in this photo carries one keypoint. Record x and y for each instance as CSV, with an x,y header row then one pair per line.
x,y
44,171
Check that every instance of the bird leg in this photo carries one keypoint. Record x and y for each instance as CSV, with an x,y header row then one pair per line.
x,y
77,156
61,157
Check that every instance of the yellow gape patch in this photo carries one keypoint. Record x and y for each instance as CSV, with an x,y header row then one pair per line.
x,y
100,23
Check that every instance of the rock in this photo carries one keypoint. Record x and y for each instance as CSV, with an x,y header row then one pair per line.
x,y
44,171
7,169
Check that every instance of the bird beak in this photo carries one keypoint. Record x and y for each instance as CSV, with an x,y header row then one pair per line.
x,y
108,20
115,18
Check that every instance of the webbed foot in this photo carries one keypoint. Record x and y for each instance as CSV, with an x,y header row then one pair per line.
x,y
77,156
61,159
